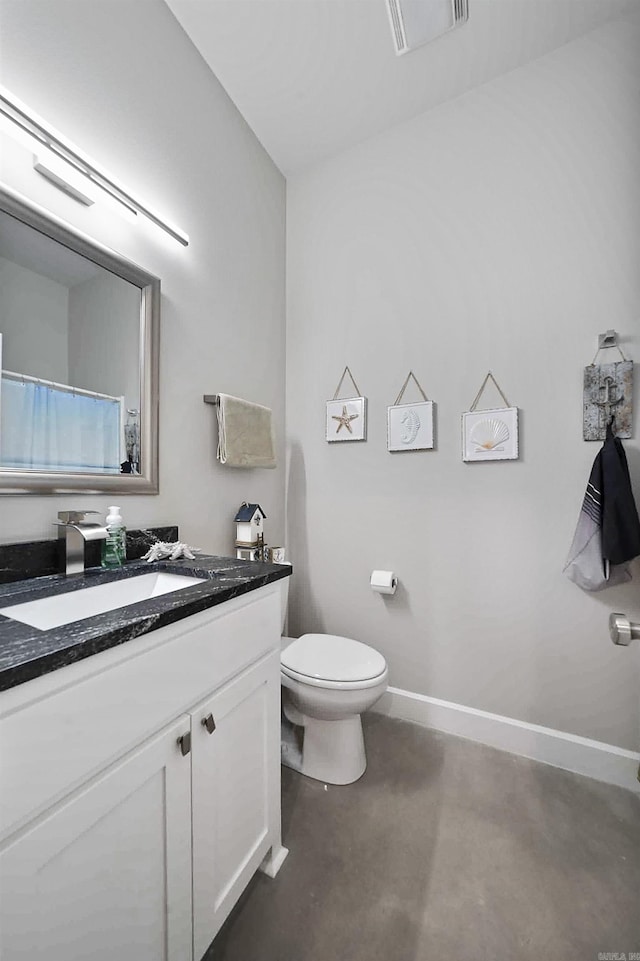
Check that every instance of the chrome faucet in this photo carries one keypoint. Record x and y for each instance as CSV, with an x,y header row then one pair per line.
x,y
75,531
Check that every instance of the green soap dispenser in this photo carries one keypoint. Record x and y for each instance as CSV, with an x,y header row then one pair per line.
x,y
114,546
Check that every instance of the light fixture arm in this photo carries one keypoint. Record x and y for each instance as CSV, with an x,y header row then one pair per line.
x,y
44,133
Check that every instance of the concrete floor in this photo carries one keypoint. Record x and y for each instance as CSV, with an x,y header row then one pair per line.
x,y
445,850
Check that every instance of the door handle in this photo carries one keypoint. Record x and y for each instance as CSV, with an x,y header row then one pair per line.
x,y
621,630
184,743
209,723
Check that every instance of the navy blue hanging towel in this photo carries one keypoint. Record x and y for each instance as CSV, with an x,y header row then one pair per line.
x,y
608,533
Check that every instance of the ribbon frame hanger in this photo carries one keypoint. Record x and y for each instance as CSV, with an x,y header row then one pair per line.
x,y
410,426
490,434
346,417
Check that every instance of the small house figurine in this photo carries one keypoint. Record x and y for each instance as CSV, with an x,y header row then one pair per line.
x,y
249,529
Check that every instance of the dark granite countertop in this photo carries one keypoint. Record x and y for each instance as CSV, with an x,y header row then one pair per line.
x,y
26,652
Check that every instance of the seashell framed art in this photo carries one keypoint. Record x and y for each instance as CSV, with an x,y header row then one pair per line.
x,y
410,426
490,434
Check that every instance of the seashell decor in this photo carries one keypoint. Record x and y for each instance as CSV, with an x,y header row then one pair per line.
x,y
489,434
409,426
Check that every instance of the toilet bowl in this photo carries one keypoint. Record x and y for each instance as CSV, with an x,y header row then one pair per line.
x,y
327,682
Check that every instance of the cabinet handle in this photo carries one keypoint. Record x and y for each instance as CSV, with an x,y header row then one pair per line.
x,y
209,723
184,743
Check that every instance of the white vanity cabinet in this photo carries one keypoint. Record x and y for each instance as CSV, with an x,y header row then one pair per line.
x,y
155,790
93,877
233,793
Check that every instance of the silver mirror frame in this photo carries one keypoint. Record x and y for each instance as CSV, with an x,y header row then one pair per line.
x,y
40,482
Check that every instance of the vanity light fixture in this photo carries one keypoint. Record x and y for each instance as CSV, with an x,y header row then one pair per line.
x,y
62,175
68,179
43,133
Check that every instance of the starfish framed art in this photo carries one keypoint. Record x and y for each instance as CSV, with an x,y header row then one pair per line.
x,y
347,419
346,416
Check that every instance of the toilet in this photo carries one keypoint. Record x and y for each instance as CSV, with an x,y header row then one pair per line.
x,y
327,682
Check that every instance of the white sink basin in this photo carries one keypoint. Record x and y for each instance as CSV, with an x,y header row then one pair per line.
x,y
49,612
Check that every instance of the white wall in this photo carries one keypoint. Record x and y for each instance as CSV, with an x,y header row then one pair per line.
x,y
104,337
500,231
123,81
34,321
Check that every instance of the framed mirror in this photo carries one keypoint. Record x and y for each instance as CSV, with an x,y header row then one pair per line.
x,y
79,337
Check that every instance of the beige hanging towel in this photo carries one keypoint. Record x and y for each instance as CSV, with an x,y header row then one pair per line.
x,y
245,433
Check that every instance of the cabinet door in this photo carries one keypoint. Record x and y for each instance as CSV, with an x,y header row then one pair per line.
x,y
106,874
235,770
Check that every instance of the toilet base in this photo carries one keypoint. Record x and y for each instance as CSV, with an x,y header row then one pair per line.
x,y
333,751
330,716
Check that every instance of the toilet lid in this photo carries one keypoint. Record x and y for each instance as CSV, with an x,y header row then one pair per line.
x,y
328,657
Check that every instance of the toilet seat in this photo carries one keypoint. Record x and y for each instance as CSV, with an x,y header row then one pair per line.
x,y
333,662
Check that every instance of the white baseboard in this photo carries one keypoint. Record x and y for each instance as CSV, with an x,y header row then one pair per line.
x,y
604,762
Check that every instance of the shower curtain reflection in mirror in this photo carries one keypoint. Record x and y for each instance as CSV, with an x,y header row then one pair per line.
x,y
53,427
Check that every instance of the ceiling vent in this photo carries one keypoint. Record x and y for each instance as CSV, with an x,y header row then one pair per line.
x,y
415,22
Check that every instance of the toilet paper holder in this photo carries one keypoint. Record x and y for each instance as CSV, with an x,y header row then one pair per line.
x,y
383,582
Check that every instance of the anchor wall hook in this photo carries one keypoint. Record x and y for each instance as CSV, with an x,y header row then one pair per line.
x,y
608,397
608,391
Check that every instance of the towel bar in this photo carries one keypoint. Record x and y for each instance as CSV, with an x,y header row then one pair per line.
x,y
621,630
